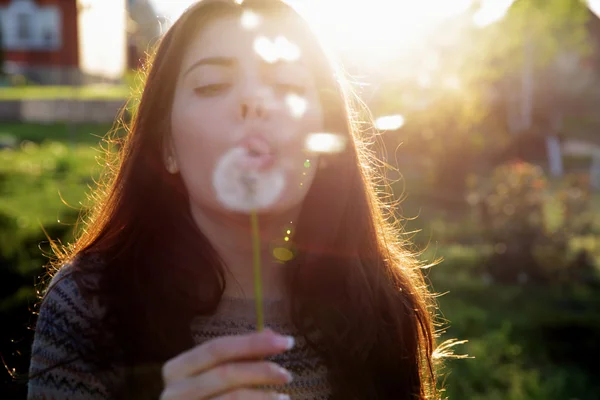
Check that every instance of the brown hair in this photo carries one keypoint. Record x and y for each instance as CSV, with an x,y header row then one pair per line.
x,y
352,281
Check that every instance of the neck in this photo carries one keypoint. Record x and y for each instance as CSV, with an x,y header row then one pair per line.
x,y
231,236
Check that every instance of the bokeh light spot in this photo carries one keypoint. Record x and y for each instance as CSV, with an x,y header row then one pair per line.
x,y
325,143
283,254
250,20
307,164
265,49
275,50
296,104
389,122
287,50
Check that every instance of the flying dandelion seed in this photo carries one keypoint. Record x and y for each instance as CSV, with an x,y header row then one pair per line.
x,y
250,20
286,50
296,104
244,189
325,143
389,123
266,49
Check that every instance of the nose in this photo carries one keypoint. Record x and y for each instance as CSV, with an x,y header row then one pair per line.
x,y
252,109
254,102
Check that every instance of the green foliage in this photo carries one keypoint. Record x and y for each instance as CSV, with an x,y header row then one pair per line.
x,y
525,343
22,90
531,227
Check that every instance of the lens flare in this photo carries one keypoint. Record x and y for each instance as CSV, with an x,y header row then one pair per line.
x,y
250,20
265,49
276,50
296,104
287,50
389,122
282,254
325,143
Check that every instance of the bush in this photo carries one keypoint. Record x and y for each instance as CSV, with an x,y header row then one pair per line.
x,y
525,343
530,226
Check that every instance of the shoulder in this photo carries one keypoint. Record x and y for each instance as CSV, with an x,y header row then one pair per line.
x,y
71,341
74,291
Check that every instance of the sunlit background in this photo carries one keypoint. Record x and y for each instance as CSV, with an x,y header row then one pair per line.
x,y
485,115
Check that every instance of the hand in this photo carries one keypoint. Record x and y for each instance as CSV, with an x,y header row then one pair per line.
x,y
228,368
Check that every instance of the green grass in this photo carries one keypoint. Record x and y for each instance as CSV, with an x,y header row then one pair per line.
x,y
89,92
13,133
41,184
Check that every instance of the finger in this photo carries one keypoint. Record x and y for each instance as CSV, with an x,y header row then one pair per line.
x,y
224,349
227,377
248,394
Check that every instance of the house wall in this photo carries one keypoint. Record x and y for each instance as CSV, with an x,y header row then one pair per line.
x,y
40,38
69,41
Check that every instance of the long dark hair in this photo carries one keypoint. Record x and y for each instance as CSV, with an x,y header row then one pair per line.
x,y
353,280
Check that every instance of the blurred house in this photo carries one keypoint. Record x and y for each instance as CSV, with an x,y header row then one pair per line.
x,y
144,28
64,41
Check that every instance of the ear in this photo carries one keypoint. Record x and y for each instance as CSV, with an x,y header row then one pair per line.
x,y
169,158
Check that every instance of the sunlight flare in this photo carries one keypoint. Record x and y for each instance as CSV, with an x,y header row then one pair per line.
x,y
389,122
250,20
325,143
296,104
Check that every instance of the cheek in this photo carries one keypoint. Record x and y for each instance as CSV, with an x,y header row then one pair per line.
x,y
199,135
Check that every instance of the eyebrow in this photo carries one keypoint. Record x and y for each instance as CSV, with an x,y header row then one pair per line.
x,y
218,61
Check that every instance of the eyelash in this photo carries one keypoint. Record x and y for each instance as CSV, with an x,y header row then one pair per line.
x,y
209,90
214,89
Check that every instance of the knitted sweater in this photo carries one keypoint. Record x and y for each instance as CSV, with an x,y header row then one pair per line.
x,y
65,324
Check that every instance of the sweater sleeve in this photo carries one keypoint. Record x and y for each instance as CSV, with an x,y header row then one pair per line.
x,y
63,342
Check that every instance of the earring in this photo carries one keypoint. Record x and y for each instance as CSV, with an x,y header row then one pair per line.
x,y
172,165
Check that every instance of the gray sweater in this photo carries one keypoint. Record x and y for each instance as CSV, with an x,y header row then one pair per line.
x,y
66,321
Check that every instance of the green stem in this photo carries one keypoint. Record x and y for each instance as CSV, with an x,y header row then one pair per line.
x,y
257,273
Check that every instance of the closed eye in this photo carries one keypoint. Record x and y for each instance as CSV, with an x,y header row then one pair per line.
x,y
287,88
212,89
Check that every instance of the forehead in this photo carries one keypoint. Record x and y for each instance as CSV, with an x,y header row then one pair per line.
x,y
229,37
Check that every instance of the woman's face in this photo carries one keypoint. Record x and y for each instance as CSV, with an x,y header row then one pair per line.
x,y
228,95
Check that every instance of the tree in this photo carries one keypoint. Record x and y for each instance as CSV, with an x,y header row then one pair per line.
x,y
455,98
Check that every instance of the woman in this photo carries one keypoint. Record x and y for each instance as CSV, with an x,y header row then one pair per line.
x,y
154,299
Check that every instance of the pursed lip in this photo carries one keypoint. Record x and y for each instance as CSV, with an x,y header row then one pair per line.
x,y
259,154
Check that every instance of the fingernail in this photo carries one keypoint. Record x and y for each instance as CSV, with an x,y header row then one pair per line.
x,y
288,376
282,396
286,342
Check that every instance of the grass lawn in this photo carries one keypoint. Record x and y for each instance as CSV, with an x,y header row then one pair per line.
x,y
60,132
40,184
88,92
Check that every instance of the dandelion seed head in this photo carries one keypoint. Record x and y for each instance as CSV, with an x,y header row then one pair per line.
x,y
243,189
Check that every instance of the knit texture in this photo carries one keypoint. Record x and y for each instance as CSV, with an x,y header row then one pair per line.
x,y
67,323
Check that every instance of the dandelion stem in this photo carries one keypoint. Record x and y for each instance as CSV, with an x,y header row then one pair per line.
x,y
257,274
